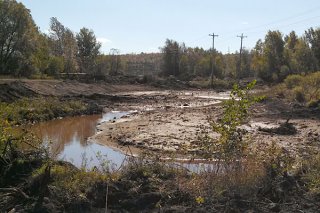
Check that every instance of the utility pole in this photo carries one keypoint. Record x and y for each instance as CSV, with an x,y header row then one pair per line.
x,y
239,69
213,57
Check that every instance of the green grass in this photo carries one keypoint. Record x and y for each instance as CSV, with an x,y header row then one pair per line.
x,y
39,109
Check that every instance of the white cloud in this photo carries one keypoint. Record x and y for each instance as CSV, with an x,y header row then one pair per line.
x,y
104,40
244,23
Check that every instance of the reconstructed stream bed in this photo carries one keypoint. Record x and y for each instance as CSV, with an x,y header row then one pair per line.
x,y
162,122
69,139
77,139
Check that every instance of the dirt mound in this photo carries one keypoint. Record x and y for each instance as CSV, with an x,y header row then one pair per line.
x,y
12,91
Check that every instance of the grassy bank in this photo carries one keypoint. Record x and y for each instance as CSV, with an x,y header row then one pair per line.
x,y
28,110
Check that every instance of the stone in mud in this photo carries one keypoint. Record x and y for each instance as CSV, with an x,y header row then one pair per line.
x,y
285,128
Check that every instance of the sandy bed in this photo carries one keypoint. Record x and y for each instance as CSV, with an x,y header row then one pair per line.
x,y
171,121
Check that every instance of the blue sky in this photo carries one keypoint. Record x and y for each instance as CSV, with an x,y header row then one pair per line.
x,y
135,26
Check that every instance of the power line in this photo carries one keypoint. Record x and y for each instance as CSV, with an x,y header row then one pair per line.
x,y
277,21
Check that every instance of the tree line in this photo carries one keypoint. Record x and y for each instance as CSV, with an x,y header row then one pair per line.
x,y
25,51
272,59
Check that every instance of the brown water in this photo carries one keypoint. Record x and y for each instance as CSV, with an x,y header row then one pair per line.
x,y
67,139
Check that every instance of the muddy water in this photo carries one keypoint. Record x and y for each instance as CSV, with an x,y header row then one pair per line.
x,y
67,139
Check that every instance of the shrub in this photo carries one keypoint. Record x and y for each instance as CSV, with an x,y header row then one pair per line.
x,y
230,147
293,80
299,94
312,174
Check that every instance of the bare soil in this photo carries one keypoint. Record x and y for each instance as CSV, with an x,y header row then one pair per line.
x,y
173,122
11,89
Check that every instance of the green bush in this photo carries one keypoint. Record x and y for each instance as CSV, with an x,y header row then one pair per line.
x,y
299,94
304,89
230,147
293,80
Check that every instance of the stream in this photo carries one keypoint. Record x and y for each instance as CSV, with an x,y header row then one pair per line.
x,y
67,139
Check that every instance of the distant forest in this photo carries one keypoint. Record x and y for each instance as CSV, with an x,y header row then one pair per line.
x,y
27,52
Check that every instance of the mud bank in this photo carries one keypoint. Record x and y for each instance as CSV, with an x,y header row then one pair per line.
x,y
171,122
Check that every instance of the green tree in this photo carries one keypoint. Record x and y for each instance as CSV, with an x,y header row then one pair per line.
x,y
268,56
300,56
63,43
313,38
259,62
172,52
291,40
41,57
70,52
203,67
88,49
273,51
55,66
56,34
245,70
18,36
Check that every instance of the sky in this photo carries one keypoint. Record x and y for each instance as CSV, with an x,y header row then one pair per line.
x,y
135,26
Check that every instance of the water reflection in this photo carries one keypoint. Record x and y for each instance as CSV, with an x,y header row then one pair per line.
x,y
67,130
67,139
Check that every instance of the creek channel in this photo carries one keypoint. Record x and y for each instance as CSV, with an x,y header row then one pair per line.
x,y
67,139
